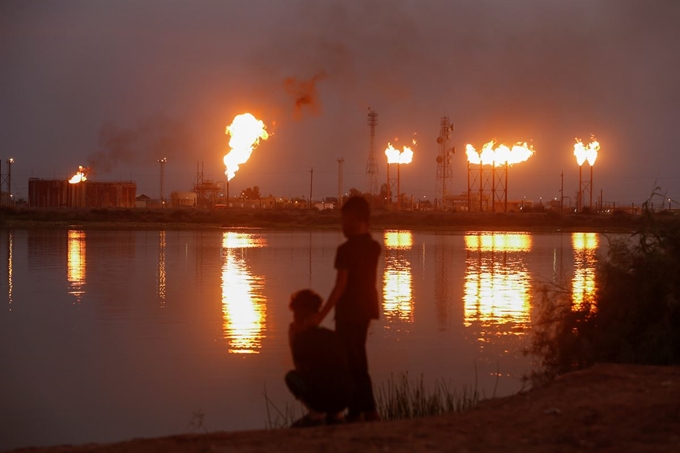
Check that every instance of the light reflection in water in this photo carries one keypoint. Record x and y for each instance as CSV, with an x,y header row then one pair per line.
x,y
395,240
558,263
496,279
583,284
243,302
76,264
160,274
397,278
10,278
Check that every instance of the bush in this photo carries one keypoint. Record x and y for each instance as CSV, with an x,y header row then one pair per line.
x,y
634,316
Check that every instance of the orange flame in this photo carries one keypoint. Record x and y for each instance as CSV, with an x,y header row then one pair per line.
x,y
246,131
500,155
79,176
394,156
584,153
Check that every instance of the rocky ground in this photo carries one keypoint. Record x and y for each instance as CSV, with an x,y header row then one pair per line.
x,y
607,408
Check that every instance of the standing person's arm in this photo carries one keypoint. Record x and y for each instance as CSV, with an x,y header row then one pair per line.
x,y
338,289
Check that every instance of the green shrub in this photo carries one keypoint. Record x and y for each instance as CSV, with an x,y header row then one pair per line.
x,y
634,315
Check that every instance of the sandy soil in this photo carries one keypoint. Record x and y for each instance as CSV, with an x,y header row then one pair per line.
x,y
608,408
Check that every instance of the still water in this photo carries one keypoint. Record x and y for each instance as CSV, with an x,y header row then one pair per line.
x,y
111,335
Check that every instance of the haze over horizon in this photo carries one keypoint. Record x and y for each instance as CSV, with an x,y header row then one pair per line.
x,y
116,85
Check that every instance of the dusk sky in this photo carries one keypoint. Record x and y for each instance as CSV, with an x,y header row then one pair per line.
x,y
116,85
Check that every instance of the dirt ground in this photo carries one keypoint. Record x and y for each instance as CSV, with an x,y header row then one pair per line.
x,y
607,408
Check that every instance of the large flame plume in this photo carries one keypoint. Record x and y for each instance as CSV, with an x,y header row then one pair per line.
x,y
79,176
499,155
246,131
394,156
586,153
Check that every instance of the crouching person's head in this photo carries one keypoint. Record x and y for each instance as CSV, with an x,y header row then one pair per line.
x,y
304,303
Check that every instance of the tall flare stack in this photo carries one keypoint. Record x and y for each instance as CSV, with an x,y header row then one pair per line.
x,y
371,164
444,173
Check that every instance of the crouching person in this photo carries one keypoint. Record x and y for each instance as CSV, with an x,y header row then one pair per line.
x,y
321,379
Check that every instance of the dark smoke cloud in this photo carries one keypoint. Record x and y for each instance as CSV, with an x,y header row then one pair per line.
x,y
305,94
148,141
348,46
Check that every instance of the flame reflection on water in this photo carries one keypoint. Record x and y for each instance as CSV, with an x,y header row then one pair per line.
x,y
471,290
75,273
160,274
585,257
497,284
10,270
397,277
243,302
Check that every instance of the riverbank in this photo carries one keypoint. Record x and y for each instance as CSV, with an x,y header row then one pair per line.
x,y
607,408
139,218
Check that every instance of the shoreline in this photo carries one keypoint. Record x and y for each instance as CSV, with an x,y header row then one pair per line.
x,y
438,221
607,408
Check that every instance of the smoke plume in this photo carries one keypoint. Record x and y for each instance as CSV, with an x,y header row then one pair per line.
x,y
148,141
305,94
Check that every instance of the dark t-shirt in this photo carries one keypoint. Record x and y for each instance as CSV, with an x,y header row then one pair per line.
x,y
359,257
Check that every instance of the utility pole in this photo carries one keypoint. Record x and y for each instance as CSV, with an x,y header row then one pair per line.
x,y
311,186
340,188
162,162
562,193
10,161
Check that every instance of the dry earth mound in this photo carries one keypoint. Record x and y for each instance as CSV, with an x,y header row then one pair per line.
x,y
607,408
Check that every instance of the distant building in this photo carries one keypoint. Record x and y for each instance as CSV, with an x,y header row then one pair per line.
x,y
142,201
323,205
55,193
184,199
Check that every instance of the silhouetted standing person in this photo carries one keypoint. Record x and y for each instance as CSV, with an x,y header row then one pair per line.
x,y
355,298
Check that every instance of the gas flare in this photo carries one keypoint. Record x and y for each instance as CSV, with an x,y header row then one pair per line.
x,y
499,155
394,156
246,131
79,176
584,153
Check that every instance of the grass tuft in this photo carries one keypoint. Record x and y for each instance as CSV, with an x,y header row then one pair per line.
x,y
398,398
401,397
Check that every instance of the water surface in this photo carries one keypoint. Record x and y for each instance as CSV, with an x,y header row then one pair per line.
x,y
110,335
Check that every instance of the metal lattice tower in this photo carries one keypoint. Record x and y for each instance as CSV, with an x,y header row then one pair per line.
x,y
475,187
482,191
371,165
391,186
585,190
499,188
444,173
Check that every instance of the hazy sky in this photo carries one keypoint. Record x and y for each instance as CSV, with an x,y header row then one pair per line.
x,y
118,84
